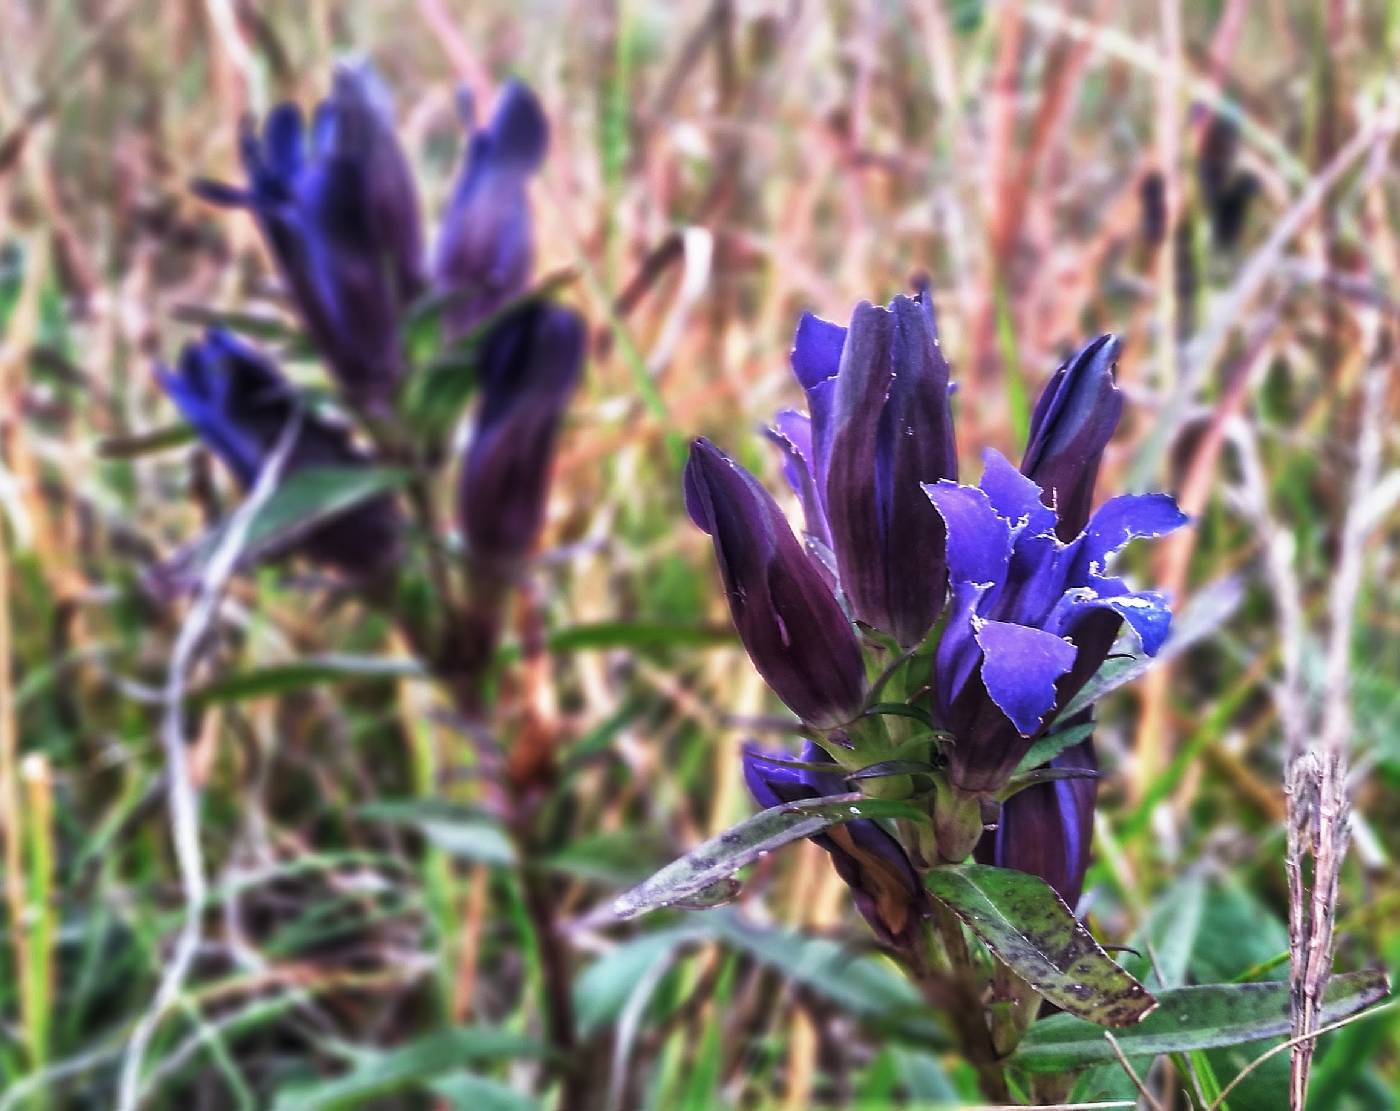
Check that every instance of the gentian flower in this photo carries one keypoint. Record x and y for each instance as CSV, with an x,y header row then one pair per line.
x,y
886,888
529,365
880,425
340,216
1024,632
486,247
240,404
1046,829
793,627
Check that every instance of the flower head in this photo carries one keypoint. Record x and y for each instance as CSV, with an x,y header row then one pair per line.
x,y
874,865
790,622
1032,616
879,425
340,214
529,366
486,247
240,404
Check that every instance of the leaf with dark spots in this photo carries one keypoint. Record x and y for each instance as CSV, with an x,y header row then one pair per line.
x,y
1208,1016
699,877
1029,928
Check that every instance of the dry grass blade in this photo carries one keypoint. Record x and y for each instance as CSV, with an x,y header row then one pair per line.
x,y
184,804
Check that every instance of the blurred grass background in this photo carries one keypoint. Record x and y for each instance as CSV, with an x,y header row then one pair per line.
x,y
1213,181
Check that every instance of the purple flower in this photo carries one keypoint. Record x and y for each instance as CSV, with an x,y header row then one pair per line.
x,y
790,622
885,886
1046,829
529,366
486,247
1015,645
1075,418
240,403
880,425
340,215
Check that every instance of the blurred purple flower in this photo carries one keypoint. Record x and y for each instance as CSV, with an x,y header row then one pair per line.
x,y
1028,610
239,403
885,886
794,629
880,425
486,247
529,366
340,215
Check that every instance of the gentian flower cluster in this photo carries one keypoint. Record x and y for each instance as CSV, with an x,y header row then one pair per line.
x,y
998,597
337,206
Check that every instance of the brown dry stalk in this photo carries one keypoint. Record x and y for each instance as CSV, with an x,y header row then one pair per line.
x,y
1315,784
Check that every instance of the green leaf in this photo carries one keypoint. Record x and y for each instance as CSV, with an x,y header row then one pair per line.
x,y
307,672
1050,746
614,857
1203,1017
631,634
699,871
606,986
465,1091
904,710
145,443
1207,611
1030,929
870,987
377,1074
457,830
305,499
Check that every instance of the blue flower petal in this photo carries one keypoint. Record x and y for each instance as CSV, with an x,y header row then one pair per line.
x,y
979,541
1014,496
1019,669
1126,518
816,350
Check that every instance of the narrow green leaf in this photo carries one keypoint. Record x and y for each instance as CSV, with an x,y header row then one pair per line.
x,y
1030,929
379,1074
870,987
145,443
720,857
1203,1017
306,498
307,672
631,634
903,710
1050,746
457,830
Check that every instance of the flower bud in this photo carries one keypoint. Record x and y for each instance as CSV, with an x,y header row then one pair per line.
x,y
874,865
240,404
789,621
486,247
340,215
529,366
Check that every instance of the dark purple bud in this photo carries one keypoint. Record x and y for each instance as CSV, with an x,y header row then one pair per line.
x,y
1075,418
1046,829
890,430
529,366
340,216
789,620
884,884
485,250
240,404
